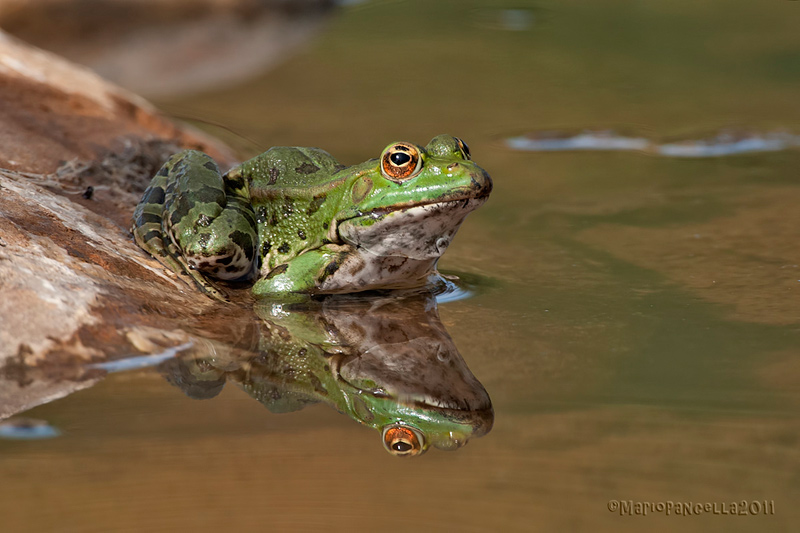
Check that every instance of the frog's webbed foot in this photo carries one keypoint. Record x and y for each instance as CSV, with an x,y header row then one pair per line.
x,y
197,222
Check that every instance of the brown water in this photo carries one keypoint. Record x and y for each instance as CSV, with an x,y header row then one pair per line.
x,y
636,318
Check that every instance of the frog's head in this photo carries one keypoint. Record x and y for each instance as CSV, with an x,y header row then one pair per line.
x,y
411,201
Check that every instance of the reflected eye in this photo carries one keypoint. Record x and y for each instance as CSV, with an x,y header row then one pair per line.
x,y
401,161
464,148
402,441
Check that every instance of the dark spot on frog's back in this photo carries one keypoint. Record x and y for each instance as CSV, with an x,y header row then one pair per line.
x,y
148,218
152,234
181,209
210,195
203,221
307,168
163,172
284,248
153,195
301,234
265,247
273,175
210,165
244,241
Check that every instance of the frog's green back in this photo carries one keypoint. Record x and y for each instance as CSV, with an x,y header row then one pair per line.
x,y
289,167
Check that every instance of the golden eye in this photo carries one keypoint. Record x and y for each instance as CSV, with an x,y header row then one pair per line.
x,y
401,161
402,441
464,148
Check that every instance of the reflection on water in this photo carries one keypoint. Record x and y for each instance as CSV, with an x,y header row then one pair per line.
x,y
27,429
722,144
385,361
382,358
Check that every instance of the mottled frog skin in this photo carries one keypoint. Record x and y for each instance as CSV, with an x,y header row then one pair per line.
x,y
296,221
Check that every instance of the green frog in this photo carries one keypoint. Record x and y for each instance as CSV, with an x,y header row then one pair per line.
x,y
296,221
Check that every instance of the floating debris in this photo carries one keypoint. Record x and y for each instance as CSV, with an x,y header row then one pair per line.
x,y
723,144
588,140
27,429
728,143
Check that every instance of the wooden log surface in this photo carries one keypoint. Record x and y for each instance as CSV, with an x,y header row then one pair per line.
x,y
76,153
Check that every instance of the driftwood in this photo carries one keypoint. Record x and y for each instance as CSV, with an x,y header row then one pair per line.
x,y
75,155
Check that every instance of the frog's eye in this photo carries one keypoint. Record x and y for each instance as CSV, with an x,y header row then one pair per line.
x,y
464,148
401,161
403,441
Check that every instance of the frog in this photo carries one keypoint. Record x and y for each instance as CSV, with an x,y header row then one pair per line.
x,y
293,220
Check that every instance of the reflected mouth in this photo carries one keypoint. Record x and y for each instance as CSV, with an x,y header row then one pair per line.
x,y
455,406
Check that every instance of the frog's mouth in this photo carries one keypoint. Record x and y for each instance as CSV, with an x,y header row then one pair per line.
x,y
467,203
420,231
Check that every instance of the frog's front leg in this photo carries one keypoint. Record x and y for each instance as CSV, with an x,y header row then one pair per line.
x,y
303,274
198,222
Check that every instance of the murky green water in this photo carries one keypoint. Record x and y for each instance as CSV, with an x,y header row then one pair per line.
x,y
635,321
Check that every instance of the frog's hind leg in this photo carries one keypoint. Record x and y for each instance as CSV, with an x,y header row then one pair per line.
x,y
150,232
197,222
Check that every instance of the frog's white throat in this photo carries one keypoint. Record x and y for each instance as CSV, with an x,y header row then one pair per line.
x,y
421,232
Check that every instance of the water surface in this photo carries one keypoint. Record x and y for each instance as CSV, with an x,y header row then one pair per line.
x,y
635,320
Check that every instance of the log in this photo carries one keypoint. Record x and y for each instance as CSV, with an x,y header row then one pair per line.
x,y
76,152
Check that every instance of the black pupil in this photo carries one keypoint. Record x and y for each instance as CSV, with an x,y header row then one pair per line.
x,y
401,446
400,158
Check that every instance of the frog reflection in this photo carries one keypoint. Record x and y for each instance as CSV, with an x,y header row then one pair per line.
x,y
386,362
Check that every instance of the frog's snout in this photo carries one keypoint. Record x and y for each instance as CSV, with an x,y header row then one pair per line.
x,y
481,182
